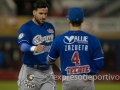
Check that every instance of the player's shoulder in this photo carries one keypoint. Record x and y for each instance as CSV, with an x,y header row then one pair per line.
x,y
59,36
27,25
92,38
89,35
48,24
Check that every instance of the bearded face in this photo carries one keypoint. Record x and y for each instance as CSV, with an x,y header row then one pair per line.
x,y
40,15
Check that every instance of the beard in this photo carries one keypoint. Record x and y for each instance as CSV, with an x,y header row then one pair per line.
x,y
39,22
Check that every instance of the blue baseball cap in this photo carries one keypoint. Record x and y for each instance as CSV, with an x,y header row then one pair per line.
x,y
75,14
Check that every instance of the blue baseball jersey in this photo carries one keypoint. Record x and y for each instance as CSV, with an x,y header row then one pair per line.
x,y
33,35
77,51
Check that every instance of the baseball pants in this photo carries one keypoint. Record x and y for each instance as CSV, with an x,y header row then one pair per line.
x,y
34,79
77,82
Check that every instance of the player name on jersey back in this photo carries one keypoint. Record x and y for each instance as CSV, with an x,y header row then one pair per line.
x,y
73,43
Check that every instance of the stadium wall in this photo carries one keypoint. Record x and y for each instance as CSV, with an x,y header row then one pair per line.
x,y
107,30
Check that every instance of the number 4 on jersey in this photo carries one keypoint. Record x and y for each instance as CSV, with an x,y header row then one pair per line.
x,y
75,58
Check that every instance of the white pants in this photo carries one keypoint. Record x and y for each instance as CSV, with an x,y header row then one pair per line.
x,y
34,79
77,82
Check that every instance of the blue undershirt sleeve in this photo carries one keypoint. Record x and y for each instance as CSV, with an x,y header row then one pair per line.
x,y
25,47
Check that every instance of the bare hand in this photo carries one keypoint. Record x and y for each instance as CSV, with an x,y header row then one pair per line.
x,y
39,48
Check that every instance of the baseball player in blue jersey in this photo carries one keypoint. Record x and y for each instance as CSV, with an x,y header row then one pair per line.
x,y
35,38
80,54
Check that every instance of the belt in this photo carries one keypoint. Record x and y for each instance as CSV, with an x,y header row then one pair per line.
x,y
39,67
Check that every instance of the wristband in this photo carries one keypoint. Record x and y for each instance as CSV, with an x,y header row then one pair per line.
x,y
32,48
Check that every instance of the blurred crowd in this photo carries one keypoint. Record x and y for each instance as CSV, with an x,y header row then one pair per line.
x,y
10,56
58,8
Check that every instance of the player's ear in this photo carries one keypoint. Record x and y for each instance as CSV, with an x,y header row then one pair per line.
x,y
83,20
34,12
68,20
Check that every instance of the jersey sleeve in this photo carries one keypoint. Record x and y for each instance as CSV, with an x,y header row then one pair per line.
x,y
53,54
98,55
98,51
23,36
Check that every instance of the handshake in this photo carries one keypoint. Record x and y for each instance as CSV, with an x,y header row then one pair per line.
x,y
39,49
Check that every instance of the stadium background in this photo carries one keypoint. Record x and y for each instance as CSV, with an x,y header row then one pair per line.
x,y
102,19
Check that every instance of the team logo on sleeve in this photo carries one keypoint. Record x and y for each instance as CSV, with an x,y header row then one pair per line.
x,y
21,35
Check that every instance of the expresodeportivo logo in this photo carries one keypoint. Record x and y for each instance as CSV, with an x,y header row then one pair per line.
x,y
105,77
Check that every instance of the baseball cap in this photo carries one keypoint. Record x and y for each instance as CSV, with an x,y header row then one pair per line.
x,y
75,14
